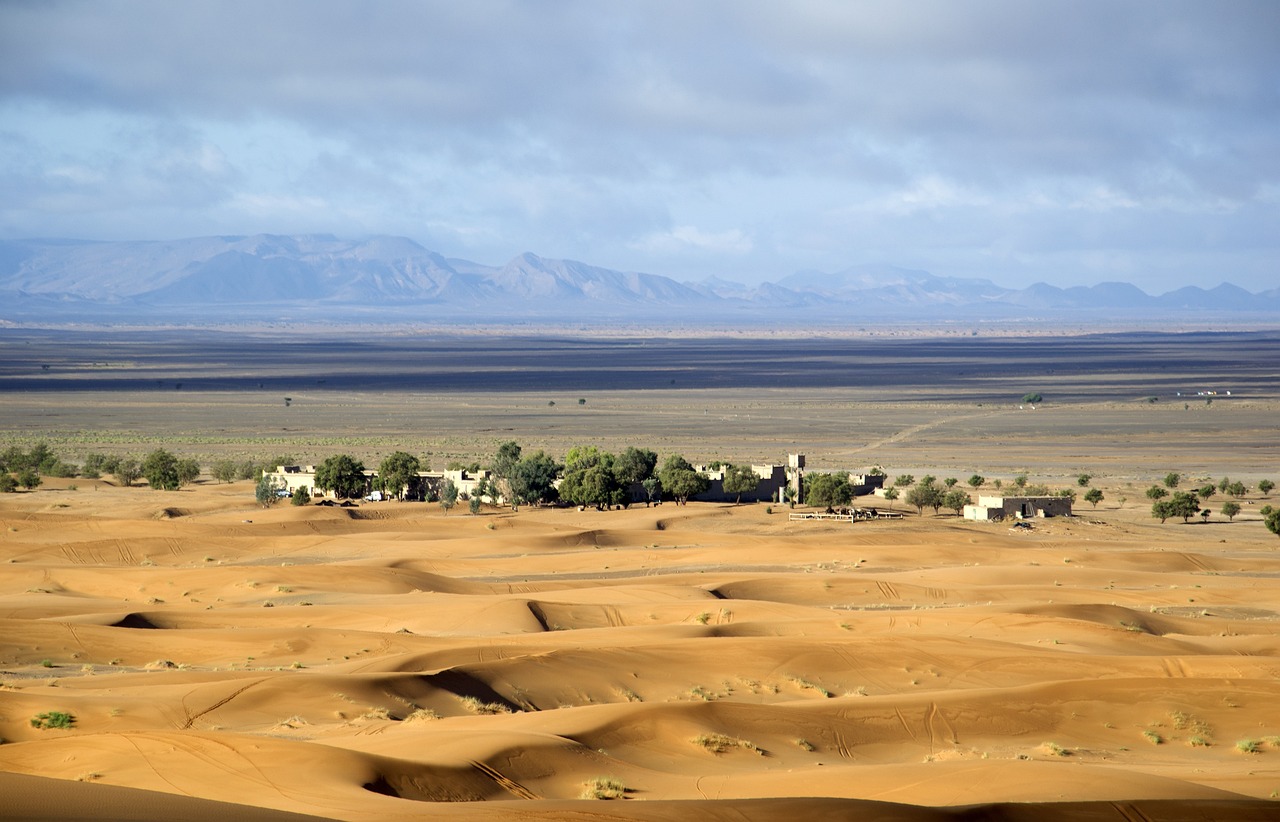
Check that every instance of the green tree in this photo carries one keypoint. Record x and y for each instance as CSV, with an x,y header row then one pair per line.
x,y
1032,398
267,491
589,479
7,483
956,500
41,457
827,490
903,480
504,462
1083,480
1155,492
1162,509
1020,481
224,471
127,471
1172,479
977,481
1271,518
29,479
1230,509
532,480
680,480
396,471
448,495
925,495
652,489
161,470
1223,484
342,475
950,482
1093,496
739,480
1265,486
94,466
188,471
1185,504
1207,490
634,465
473,505
1237,489
13,459
300,496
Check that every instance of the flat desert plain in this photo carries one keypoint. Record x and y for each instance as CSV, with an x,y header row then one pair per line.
x,y
389,661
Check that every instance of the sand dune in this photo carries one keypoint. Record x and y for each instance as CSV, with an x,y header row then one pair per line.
x,y
701,661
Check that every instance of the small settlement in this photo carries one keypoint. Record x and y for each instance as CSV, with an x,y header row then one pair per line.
x,y
774,481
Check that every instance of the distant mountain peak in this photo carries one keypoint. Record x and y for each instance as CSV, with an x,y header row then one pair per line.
x,y
387,276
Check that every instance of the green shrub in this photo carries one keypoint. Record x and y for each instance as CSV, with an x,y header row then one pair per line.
x,y
52,719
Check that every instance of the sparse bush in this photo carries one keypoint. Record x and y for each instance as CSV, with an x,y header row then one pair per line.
x,y
223,471
603,787
1249,746
53,719
476,706
719,743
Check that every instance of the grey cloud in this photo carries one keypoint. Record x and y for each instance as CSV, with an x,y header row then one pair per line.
x,y
576,124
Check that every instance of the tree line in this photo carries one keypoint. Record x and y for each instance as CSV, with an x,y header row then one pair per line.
x,y
161,469
1167,501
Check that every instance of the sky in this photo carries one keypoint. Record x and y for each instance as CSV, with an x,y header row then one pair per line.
x,y
1064,142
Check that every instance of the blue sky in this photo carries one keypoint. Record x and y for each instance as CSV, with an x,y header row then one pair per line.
x,y
1068,142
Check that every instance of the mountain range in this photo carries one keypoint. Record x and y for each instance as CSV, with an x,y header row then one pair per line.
x,y
321,277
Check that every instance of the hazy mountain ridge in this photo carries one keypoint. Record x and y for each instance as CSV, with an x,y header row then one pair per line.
x,y
322,275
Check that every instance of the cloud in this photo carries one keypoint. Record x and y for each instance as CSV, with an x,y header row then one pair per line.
x,y
685,238
825,131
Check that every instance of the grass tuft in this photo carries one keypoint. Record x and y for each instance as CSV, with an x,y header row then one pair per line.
x,y
603,787
719,743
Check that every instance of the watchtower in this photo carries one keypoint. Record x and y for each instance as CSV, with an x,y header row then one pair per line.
x,y
795,475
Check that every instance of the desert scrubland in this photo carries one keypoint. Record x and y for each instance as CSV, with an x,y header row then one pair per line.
x,y
208,657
